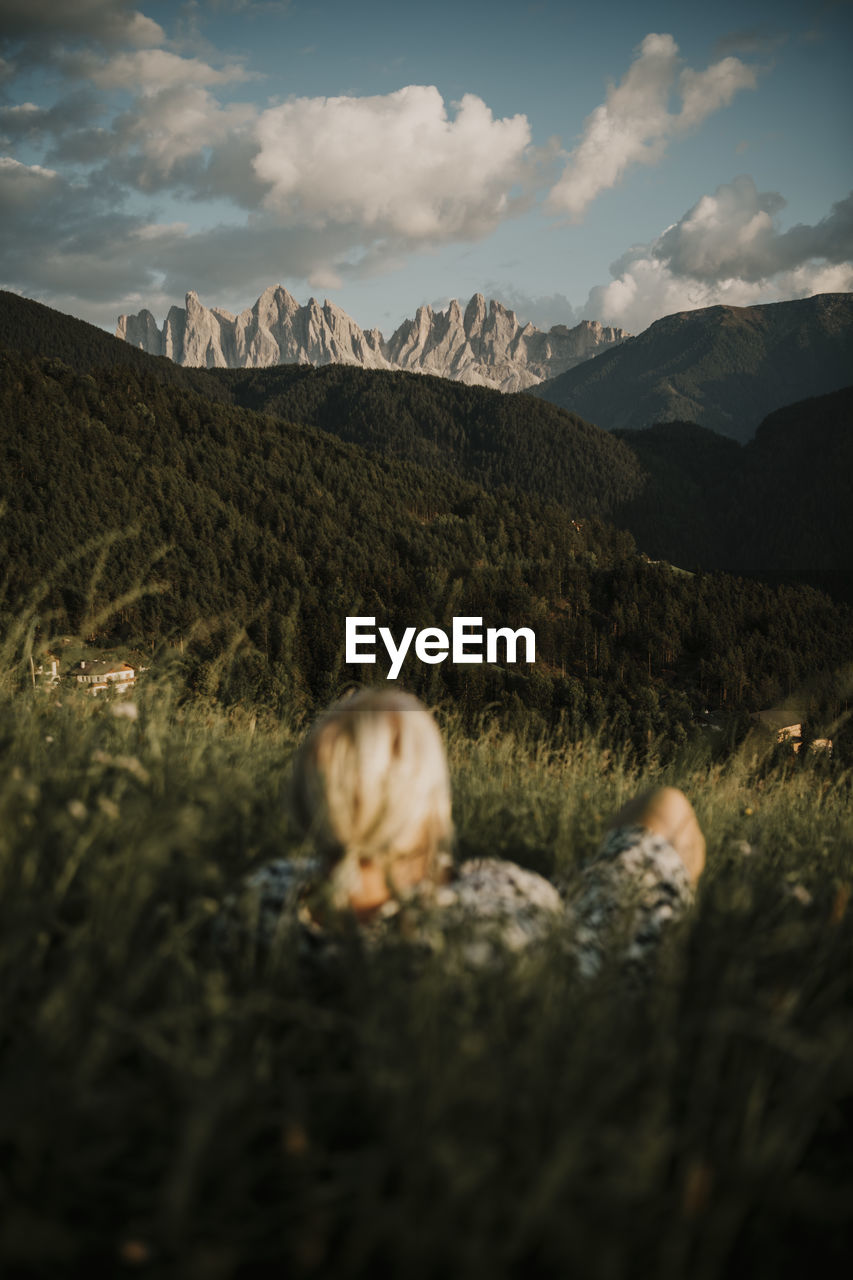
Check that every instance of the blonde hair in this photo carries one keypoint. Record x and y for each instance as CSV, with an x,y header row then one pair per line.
x,y
370,783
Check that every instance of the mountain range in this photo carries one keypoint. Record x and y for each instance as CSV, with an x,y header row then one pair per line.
x,y
439,500
484,345
690,495
725,368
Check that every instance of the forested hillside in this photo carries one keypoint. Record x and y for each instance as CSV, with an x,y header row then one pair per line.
x,y
799,466
30,328
722,367
780,505
490,438
285,530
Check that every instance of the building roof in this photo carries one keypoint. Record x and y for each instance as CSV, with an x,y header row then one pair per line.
x,y
99,667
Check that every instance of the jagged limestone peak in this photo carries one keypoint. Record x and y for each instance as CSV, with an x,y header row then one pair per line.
x,y
475,313
484,345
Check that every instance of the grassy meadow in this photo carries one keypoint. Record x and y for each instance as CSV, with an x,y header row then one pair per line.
x,y
169,1111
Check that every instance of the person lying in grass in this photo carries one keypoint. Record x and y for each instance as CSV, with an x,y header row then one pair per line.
x,y
371,791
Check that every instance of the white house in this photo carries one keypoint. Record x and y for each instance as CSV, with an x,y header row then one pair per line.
x,y
98,676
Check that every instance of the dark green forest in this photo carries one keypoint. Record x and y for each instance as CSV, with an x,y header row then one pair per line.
x,y
481,434
33,329
778,506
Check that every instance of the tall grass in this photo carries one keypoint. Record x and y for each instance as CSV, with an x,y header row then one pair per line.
x,y
168,1109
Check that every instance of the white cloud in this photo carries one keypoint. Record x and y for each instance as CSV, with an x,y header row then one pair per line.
x,y
163,129
22,186
725,234
395,164
151,70
811,278
734,233
400,170
704,92
648,289
728,249
170,132
634,124
542,310
71,244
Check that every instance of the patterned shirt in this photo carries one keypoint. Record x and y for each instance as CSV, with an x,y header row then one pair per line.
x,y
621,904
634,888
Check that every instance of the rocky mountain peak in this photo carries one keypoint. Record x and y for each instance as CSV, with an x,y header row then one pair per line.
x,y
484,345
475,314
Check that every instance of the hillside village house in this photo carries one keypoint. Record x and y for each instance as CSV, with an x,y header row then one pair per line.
x,y
788,729
98,676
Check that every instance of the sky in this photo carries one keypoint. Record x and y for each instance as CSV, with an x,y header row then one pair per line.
x,y
613,161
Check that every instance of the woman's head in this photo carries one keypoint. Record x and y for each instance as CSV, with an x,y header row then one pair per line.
x,y
371,786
